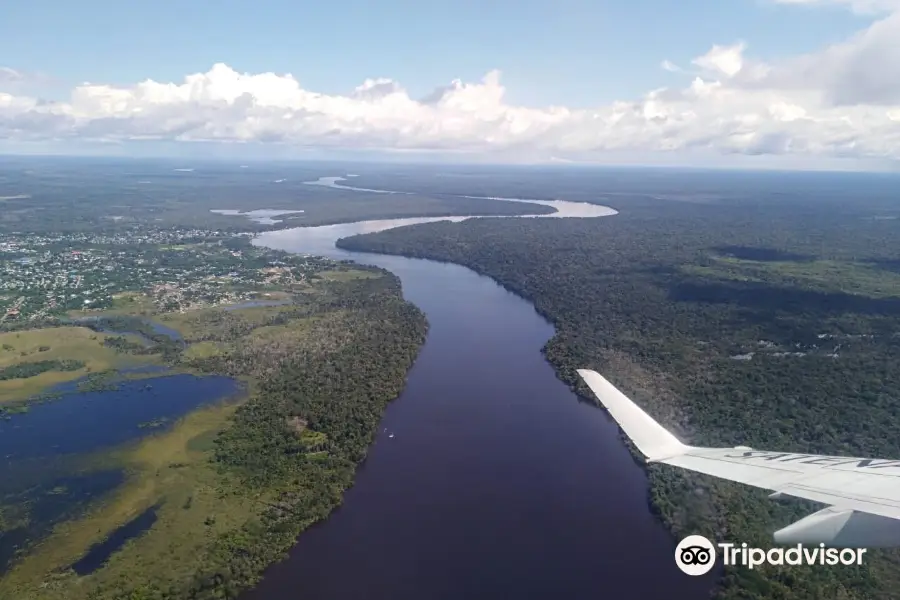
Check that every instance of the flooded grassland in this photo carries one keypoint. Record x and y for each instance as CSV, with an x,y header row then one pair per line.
x,y
125,454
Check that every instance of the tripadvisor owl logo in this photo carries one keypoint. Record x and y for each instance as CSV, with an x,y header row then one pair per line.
x,y
695,555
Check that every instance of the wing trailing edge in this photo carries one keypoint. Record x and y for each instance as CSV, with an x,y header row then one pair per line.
x,y
862,494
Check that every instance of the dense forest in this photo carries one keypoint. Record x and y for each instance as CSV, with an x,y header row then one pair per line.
x,y
59,195
770,322
301,437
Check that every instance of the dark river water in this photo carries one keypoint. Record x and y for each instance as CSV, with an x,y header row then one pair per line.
x,y
497,483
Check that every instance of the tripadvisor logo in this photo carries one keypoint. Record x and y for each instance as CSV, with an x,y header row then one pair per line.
x,y
696,555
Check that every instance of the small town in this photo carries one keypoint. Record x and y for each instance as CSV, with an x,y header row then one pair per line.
x,y
52,276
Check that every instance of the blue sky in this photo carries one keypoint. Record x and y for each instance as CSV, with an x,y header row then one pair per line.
x,y
567,52
799,79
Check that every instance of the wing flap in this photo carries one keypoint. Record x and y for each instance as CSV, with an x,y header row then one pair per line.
x,y
829,486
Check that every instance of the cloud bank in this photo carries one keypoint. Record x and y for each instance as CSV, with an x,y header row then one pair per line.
x,y
842,101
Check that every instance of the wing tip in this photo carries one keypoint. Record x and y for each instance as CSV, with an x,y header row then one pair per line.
x,y
654,441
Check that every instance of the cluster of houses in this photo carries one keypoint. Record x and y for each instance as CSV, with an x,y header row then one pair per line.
x,y
52,275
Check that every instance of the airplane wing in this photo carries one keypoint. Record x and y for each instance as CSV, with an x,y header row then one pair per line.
x,y
863,494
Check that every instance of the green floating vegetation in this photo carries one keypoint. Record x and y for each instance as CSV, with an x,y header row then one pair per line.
x,y
154,424
99,382
6,412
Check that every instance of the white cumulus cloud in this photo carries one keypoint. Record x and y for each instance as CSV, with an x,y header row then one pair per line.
x,y
841,101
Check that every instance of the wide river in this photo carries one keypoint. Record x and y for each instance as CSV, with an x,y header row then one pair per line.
x,y
489,479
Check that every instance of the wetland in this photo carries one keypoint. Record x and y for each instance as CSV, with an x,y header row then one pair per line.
x,y
166,444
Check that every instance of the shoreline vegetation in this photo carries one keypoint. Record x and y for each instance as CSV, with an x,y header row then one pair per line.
x,y
232,484
730,331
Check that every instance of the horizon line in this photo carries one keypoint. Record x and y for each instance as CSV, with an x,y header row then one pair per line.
x,y
561,165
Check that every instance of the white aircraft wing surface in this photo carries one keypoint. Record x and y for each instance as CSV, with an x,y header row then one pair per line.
x,y
863,494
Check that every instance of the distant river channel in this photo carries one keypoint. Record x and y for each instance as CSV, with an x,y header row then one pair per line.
x,y
489,479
